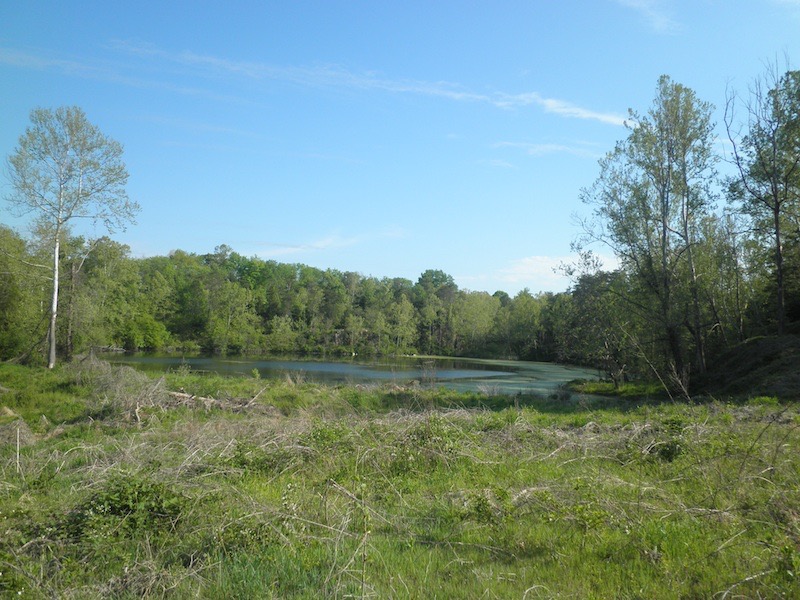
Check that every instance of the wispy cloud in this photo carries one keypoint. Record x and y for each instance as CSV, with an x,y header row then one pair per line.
x,y
558,107
40,61
538,273
101,71
199,127
498,164
655,13
534,273
583,151
326,243
192,64
337,76
333,241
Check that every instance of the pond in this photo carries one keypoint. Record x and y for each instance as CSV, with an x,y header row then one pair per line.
x,y
489,376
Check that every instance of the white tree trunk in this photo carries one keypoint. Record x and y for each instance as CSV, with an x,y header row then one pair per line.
x,y
54,306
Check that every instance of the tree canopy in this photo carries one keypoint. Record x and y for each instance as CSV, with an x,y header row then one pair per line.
x,y
62,169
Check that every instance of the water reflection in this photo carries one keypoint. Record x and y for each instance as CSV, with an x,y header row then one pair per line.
x,y
494,376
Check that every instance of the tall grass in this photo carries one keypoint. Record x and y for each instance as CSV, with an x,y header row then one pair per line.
x,y
387,492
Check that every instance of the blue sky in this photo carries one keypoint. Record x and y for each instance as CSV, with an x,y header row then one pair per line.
x,y
382,137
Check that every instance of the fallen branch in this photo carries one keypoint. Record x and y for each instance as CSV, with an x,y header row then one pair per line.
x,y
231,404
183,396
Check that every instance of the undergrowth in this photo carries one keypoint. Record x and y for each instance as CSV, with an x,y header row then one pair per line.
x,y
196,486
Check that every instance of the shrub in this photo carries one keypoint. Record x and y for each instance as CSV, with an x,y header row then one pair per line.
x,y
128,505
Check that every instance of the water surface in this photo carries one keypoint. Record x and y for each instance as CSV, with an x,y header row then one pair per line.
x,y
491,376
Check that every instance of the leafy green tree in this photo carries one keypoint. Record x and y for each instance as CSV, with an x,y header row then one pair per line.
x,y
109,298
101,293
277,283
651,195
555,313
282,337
355,330
473,319
600,328
516,326
402,322
336,301
62,169
142,332
233,325
728,253
74,254
767,159
20,296
307,303
377,328
188,318
435,292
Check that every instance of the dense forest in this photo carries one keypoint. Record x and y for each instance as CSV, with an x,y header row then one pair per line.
x,y
705,261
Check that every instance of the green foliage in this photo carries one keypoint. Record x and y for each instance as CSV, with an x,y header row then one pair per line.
x,y
326,435
20,319
127,505
640,389
282,338
62,169
143,333
767,186
648,204
42,398
228,304
605,498
262,460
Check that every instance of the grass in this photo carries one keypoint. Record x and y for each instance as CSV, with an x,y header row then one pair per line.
x,y
126,491
634,390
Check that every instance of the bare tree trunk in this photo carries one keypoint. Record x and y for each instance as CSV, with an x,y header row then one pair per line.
x,y
54,306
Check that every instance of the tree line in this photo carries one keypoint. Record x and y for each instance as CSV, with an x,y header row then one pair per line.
x,y
226,303
706,260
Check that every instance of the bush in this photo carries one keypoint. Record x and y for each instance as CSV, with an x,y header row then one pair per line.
x,y
128,506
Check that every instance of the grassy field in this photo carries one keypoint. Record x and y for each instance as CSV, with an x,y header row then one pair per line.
x,y
111,487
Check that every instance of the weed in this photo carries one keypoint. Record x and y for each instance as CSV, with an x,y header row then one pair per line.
x,y
131,505
324,435
387,492
496,421
265,460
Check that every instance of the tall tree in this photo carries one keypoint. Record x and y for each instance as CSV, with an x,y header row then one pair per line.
x,y
517,325
434,294
651,195
402,322
599,326
232,325
64,168
473,317
767,159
